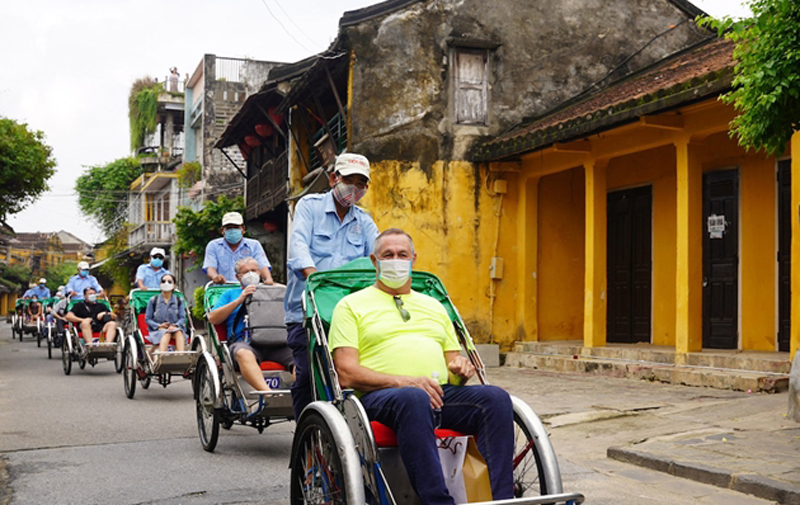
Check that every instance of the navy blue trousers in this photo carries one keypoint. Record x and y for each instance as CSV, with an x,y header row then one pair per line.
x,y
483,411
301,390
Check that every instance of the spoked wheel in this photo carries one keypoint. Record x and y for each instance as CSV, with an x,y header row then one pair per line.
x,y
119,355
49,343
208,417
39,337
129,376
529,477
66,358
317,475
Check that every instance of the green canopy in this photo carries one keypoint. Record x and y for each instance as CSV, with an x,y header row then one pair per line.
x,y
140,297
214,291
332,285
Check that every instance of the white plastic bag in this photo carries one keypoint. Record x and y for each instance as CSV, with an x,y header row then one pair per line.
x,y
451,455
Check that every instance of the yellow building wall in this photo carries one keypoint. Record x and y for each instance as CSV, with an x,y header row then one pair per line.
x,y
452,217
757,237
657,168
561,255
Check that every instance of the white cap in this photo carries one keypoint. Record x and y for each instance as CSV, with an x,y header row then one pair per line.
x,y
42,280
349,163
83,265
61,288
157,250
232,218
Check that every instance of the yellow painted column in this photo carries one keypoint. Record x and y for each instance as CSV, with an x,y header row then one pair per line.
x,y
689,254
528,259
594,305
794,342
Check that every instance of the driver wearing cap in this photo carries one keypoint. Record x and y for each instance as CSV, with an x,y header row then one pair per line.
x,y
78,283
41,291
223,253
148,275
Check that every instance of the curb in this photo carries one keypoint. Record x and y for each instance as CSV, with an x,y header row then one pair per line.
x,y
756,485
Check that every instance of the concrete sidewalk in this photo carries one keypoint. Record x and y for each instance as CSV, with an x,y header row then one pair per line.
x,y
736,441
756,452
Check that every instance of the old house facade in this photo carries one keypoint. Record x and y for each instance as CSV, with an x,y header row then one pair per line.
x,y
417,86
639,219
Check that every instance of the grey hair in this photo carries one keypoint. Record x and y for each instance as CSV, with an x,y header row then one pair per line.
x,y
237,267
392,231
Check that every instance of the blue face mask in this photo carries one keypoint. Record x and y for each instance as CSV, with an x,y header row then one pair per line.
x,y
84,273
156,262
233,235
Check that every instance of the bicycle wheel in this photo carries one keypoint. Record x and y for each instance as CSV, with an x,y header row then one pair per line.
x,y
528,472
129,374
317,475
207,415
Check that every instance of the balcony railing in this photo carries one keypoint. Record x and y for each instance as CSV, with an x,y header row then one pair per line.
x,y
174,84
268,188
229,69
152,233
338,127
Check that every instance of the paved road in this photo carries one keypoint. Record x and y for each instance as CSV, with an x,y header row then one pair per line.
x,y
78,439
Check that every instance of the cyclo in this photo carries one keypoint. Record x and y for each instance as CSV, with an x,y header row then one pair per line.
x,y
222,396
21,322
73,348
48,327
139,364
52,335
340,456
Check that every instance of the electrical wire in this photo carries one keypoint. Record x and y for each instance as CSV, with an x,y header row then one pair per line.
x,y
284,28
296,26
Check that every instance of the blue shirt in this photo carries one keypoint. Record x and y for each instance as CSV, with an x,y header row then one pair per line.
x,y
226,298
319,239
78,284
158,311
220,256
151,278
39,292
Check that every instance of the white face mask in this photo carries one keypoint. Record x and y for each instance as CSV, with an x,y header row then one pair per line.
x,y
394,273
250,278
167,286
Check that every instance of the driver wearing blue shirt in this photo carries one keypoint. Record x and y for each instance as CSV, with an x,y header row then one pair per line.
x,y
328,231
223,253
41,291
78,283
148,275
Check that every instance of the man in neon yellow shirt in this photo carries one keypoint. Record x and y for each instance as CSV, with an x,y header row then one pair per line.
x,y
390,344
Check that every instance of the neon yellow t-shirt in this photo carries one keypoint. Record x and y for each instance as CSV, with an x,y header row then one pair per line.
x,y
370,321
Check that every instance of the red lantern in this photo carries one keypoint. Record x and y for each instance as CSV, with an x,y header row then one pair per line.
x,y
252,141
245,150
264,130
278,118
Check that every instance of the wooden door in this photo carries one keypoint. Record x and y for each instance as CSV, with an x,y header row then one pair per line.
x,y
721,260
784,253
629,265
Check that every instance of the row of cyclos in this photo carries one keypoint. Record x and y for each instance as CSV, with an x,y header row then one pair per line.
x,y
69,340
338,455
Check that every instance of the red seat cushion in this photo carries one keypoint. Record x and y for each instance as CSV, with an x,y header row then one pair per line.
x,y
385,436
271,365
222,332
142,325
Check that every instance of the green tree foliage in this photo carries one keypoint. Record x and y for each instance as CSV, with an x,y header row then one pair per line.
x,y
195,229
103,192
189,173
58,275
17,274
143,109
198,310
26,163
115,268
766,86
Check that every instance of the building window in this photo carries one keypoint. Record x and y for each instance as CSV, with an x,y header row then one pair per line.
x,y
471,86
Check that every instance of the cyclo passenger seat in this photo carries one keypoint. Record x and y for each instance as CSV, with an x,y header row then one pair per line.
x,y
264,321
385,436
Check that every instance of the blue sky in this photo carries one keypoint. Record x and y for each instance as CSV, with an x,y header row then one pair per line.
x,y
72,63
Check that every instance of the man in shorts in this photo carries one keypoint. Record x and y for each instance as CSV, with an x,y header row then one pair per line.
x,y
226,310
93,317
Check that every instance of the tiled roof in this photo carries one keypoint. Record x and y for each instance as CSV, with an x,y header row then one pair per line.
x,y
700,72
